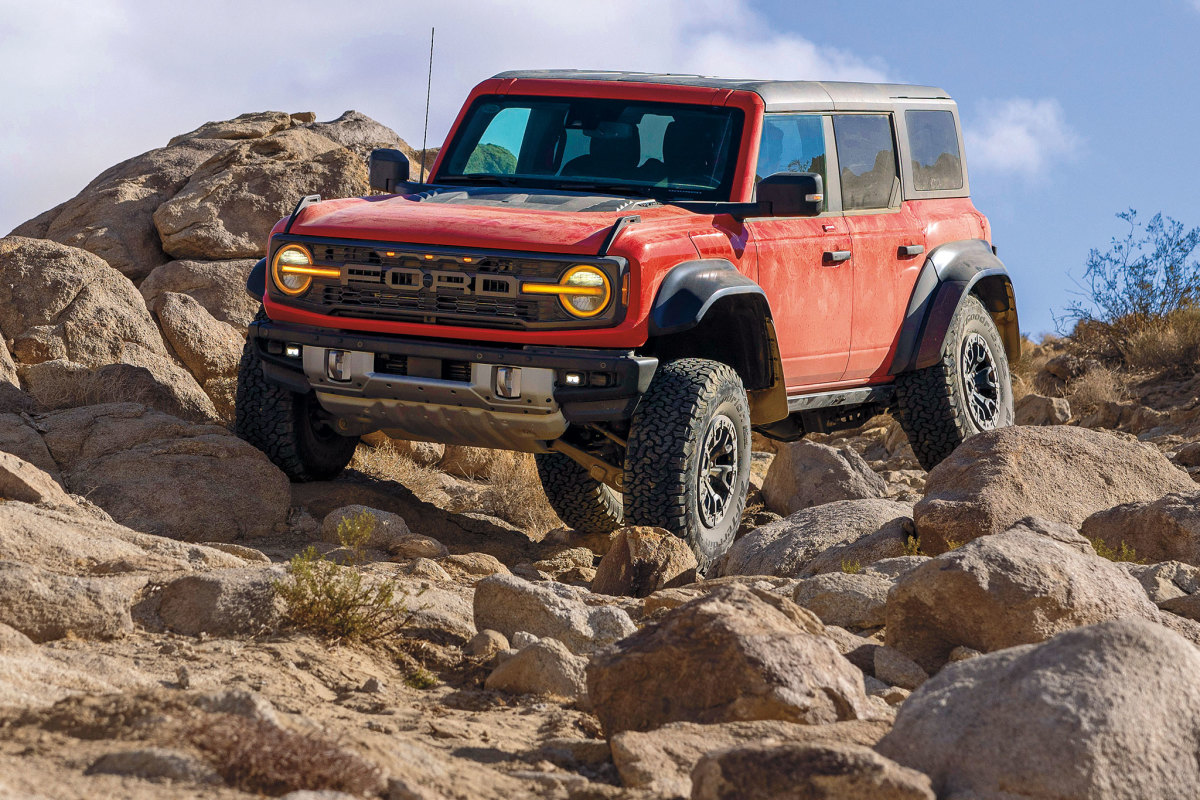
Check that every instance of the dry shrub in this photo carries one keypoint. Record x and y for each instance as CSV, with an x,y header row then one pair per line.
x,y
514,493
257,756
1095,389
1170,345
1033,358
385,462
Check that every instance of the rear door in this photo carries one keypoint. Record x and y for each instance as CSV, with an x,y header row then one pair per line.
x,y
887,240
802,260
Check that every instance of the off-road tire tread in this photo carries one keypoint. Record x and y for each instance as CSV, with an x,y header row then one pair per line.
x,y
583,503
930,412
664,437
265,416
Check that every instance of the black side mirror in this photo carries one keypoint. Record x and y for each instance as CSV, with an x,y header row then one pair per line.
x,y
792,194
388,169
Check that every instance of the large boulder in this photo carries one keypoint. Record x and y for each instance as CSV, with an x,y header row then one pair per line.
x,y
210,349
1107,712
1037,409
662,760
806,474
1163,529
1059,473
783,771
218,286
63,302
20,437
509,604
20,480
46,606
736,654
75,542
1014,588
821,539
232,200
111,217
643,560
148,379
159,474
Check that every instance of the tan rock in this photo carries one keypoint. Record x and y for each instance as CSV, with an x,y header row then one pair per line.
x,y
1005,590
228,602
1036,409
254,125
1107,711
661,760
508,604
642,561
20,480
218,286
774,771
1165,528
149,379
853,601
820,539
45,606
544,667
234,198
157,473
111,217
1059,473
210,349
806,474
746,655
62,302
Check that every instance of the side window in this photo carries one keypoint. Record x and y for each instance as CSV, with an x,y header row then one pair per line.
x,y
791,143
496,153
867,158
933,142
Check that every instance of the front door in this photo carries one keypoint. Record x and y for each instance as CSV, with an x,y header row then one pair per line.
x,y
803,262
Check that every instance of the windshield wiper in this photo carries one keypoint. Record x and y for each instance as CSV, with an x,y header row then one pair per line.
x,y
609,188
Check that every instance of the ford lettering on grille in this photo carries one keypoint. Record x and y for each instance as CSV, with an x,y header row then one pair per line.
x,y
408,279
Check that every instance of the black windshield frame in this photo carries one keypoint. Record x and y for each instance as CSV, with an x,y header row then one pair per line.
x,y
545,140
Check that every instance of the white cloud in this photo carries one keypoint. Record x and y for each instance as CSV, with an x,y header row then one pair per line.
x,y
87,85
1020,136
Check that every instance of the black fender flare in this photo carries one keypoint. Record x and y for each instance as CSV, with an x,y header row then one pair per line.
x,y
256,282
690,291
951,272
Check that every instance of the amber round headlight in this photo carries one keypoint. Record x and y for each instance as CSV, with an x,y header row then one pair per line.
x,y
586,291
291,269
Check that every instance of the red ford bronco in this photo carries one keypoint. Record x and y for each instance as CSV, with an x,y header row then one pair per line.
x,y
626,274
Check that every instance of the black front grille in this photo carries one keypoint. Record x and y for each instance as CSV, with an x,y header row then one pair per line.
x,y
468,288
382,301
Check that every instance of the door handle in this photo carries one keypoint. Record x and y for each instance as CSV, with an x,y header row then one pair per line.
x,y
911,249
837,256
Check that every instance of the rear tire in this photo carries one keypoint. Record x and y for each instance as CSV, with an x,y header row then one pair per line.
x,y
687,464
583,503
967,392
287,426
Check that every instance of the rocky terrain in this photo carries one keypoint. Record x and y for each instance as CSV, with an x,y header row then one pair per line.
x,y
177,620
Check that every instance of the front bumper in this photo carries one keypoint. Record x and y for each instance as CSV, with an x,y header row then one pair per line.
x,y
447,391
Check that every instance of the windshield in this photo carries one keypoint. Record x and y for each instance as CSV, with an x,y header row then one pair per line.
x,y
660,150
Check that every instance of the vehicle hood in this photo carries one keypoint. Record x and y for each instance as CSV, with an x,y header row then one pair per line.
x,y
497,218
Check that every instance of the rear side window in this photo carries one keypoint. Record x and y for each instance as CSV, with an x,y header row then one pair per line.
x,y
867,158
792,143
933,142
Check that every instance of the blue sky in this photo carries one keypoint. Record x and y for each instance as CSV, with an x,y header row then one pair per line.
x,y
1073,111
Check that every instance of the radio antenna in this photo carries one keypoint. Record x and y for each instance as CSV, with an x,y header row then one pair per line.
x,y
428,89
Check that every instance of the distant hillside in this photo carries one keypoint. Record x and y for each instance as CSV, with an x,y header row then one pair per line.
x,y
492,159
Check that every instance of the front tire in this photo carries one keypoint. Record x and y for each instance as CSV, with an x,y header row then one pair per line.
x,y
687,464
583,503
967,392
288,427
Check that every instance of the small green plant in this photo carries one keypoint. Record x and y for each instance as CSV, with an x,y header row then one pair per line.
x,y
354,531
953,544
334,600
851,567
912,546
1122,553
420,678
